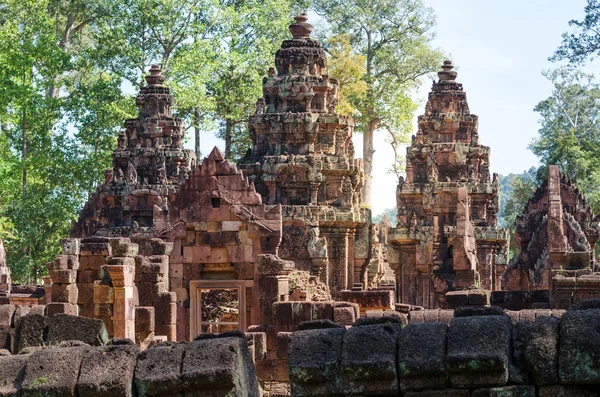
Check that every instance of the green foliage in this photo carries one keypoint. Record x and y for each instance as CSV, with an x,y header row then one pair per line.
x,y
570,130
515,191
584,43
394,37
392,214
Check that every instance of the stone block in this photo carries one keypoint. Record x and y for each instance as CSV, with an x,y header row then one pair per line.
x,y
259,341
219,366
31,331
63,276
283,344
144,320
103,293
54,308
322,310
170,331
541,353
64,262
479,297
478,351
314,362
12,372
87,276
506,391
521,333
5,337
66,293
123,247
269,264
95,248
20,311
158,370
439,393
53,372
343,315
91,263
63,327
165,313
567,391
85,293
103,309
579,351
456,299
7,312
70,246
369,360
108,371
422,355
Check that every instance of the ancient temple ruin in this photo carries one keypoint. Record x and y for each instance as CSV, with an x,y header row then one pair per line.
x,y
5,282
149,167
302,157
557,231
447,236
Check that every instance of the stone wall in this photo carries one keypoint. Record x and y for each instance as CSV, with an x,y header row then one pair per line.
x,y
469,352
213,367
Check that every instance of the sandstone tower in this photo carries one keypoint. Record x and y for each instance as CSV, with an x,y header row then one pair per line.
x,y
302,157
447,236
149,167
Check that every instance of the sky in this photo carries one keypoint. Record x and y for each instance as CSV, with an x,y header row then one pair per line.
x,y
500,49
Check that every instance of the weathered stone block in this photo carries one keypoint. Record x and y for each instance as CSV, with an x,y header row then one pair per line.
x,y
283,344
66,293
98,249
103,293
5,336
541,352
63,276
478,351
54,308
439,393
506,391
219,367
422,355
63,327
12,371
31,331
64,262
314,362
108,371
70,246
343,315
6,315
53,372
567,391
158,371
166,313
123,247
579,351
369,360
85,294
259,341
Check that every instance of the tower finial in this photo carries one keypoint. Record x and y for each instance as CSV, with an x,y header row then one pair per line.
x,y
155,77
301,29
447,74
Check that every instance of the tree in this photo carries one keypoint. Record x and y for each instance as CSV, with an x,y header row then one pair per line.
x,y
570,130
395,39
585,42
515,191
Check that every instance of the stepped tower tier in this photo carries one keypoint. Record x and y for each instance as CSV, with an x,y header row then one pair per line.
x,y
149,167
302,157
447,236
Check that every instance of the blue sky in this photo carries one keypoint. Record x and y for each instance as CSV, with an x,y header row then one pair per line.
x,y
500,49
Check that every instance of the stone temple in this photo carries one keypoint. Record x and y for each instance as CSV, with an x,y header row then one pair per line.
x,y
447,236
189,277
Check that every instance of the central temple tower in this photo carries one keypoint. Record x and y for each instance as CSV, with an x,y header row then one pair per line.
x,y
447,236
302,157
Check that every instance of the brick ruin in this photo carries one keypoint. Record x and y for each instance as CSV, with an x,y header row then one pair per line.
x,y
5,282
446,237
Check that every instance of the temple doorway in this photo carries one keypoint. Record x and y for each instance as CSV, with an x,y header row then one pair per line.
x,y
217,306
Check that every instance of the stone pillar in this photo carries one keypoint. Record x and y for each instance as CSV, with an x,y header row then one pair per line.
x,y
121,268
63,271
5,281
557,241
465,247
337,248
273,284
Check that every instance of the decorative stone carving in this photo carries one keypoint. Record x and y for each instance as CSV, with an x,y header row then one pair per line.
x,y
447,204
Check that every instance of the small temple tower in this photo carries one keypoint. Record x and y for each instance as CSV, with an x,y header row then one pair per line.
x,y
302,157
447,236
149,166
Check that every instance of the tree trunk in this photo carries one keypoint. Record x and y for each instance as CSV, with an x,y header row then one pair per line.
x,y
197,133
228,138
24,152
368,161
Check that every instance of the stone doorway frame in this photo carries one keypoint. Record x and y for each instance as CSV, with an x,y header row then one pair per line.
x,y
197,286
